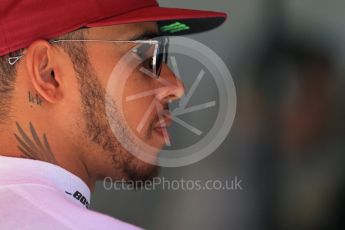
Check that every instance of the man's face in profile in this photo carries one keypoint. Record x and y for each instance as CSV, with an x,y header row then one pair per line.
x,y
91,127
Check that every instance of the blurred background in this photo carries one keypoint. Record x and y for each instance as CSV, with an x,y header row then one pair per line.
x,y
287,144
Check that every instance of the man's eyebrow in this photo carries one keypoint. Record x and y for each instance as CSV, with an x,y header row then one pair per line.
x,y
143,36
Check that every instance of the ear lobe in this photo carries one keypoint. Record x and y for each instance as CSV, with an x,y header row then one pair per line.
x,y
40,64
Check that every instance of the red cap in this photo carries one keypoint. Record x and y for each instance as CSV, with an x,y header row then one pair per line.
x,y
24,21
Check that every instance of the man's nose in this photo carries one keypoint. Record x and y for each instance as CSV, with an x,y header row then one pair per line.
x,y
171,86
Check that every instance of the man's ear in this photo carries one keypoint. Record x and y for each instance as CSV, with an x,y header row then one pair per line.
x,y
40,63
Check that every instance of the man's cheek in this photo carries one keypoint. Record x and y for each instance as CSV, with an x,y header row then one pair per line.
x,y
143,116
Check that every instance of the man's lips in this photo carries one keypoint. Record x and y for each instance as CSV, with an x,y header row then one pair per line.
x,y
164,121
161,127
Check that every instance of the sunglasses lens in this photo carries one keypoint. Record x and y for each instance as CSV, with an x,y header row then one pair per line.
x,y
162,54
153,56
159,64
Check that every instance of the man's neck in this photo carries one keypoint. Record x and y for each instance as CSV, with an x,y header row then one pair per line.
x,y
27,140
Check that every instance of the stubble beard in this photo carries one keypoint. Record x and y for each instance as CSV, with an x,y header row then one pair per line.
x,y
99,129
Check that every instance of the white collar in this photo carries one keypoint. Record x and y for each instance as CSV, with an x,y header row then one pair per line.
x,y
18,170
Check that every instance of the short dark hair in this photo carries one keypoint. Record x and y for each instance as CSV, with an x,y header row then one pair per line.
x,y
8,73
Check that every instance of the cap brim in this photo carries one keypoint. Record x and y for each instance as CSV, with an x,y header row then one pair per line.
x,y
171,21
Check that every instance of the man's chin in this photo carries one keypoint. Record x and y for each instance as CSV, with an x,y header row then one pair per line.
x,y
141,171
